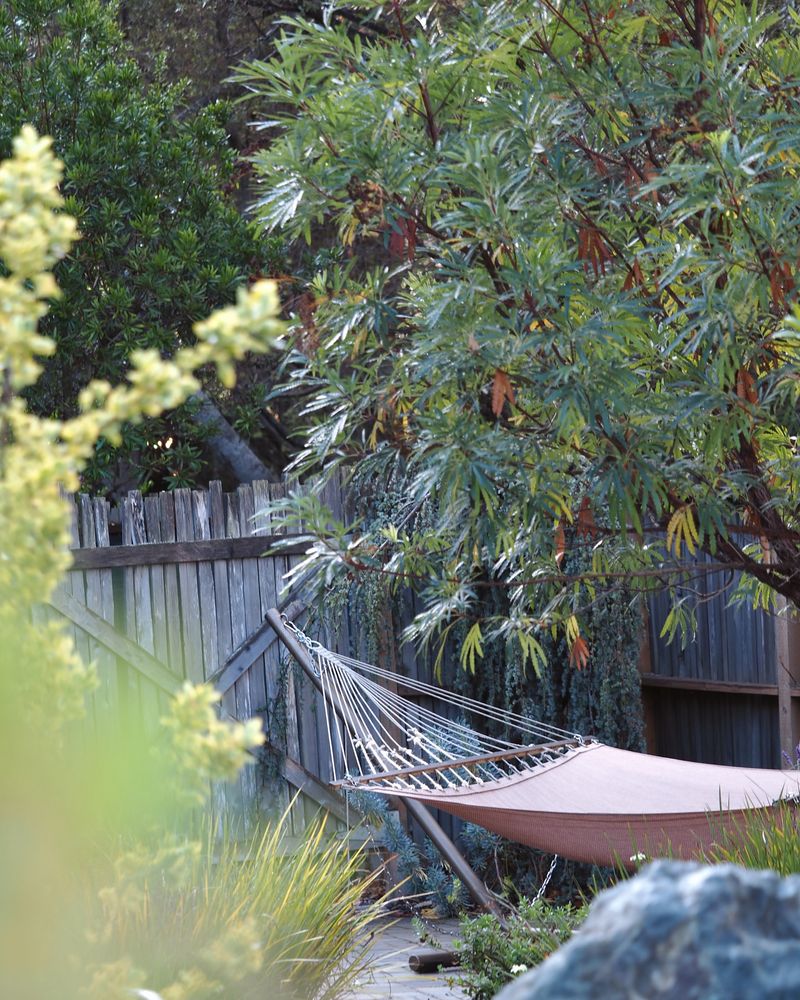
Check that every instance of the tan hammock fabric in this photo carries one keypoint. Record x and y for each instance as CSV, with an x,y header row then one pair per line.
x,y
603,805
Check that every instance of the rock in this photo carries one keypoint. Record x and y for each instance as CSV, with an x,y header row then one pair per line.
x,y
679,931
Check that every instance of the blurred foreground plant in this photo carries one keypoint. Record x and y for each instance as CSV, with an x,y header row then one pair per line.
x,y
78,918
244,920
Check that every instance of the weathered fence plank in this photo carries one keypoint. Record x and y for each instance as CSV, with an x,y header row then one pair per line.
x,y
152,523
177,659
205,582
189,594
155,552
99,597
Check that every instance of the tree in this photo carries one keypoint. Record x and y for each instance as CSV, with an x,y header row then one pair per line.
x,y
162,243
583,342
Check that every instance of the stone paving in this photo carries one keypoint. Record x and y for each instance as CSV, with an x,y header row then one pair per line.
x,y
389,977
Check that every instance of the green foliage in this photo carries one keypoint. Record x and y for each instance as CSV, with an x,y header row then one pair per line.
x,y
162,244
492,956
764,839
241,919
581,338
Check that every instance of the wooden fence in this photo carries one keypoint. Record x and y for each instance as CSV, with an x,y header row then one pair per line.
x,y
181,593
170,587
720,699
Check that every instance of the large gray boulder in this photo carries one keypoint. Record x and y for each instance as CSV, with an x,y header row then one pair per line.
x,y
679,931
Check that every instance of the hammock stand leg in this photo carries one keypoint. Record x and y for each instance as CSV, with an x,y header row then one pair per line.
x,y
443,844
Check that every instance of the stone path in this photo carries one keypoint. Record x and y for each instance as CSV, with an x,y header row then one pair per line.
x,y
389,977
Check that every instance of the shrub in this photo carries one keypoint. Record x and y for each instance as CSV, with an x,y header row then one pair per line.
x,y
422,875
492,955
161,243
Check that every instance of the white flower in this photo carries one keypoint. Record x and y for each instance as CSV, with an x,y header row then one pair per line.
x,y
517,969
639,857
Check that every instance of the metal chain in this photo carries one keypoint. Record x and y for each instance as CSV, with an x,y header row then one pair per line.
x,y
310,644
547,878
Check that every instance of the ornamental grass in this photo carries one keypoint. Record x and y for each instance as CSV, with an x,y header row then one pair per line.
x,y
245,919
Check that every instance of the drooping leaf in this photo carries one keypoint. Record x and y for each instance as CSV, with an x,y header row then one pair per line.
x,y
502,392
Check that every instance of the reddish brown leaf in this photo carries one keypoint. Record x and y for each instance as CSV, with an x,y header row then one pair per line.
x,y
657,279
599,164
746,386
775,288
502,390
650,173
781,283
560,543
397,243
636,178
308,338
587,527
403,239
633,277
411,238
579,653
592,249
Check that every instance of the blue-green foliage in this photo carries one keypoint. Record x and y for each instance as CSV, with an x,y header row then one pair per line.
x,y
426,882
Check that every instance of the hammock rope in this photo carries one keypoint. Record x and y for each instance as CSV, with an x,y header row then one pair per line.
x,y
379,738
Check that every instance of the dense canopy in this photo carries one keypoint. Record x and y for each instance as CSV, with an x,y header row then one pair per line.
x,y
580,339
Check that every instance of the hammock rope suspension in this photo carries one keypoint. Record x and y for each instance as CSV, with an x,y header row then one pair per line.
x,y
381,739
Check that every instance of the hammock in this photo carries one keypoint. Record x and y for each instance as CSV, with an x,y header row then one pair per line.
x,y
547,788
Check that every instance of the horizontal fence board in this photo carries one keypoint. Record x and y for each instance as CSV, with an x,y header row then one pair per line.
x,y
712,687
171,553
